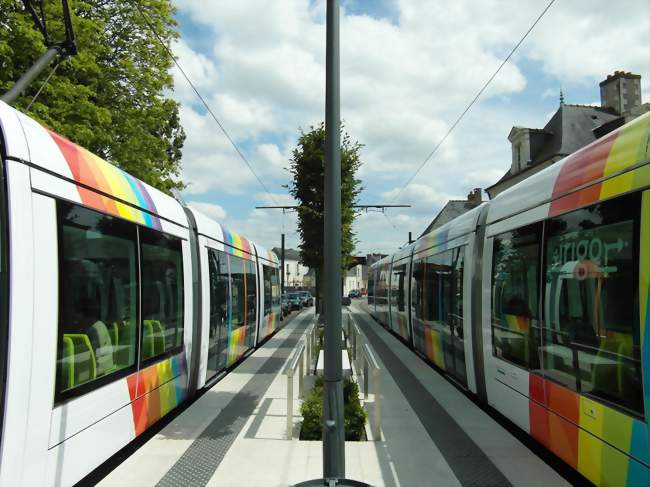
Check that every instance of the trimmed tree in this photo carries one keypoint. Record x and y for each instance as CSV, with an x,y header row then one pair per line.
x,y
307,167
110,97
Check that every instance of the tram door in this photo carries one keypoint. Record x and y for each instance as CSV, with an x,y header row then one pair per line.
x,y
449,268
4,294
219,281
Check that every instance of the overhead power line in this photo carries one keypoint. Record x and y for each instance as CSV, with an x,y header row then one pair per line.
x,y
200,97
480,92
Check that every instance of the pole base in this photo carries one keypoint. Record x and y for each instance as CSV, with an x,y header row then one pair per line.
x,y
332,483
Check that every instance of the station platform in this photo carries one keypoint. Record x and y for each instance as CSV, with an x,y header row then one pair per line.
x,y
235,434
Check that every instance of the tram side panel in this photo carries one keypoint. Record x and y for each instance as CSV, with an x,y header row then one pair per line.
x,y
562,333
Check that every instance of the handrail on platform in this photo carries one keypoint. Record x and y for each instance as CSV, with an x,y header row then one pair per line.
x,y
364,360
301,361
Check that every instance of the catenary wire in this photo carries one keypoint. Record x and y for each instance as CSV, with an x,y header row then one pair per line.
x,y
200,97
56,66
480,92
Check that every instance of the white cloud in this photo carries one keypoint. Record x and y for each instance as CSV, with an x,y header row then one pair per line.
x,y
403,82
216,212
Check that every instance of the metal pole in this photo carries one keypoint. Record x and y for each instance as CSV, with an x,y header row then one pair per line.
x,y
333,425
25,80
282,268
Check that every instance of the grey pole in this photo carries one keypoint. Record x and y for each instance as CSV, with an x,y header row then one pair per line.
x,y
282,268
25,80
333,425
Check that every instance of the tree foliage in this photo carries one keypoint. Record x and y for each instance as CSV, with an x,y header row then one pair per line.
x,y
110,97
307,167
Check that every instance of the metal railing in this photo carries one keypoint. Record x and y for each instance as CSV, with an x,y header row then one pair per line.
x,y
297,361
301,360
365,363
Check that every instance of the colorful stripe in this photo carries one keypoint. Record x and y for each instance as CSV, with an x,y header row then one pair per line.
x,y
237,245
612,154
236,345
603,444
93,172
156,390
573,426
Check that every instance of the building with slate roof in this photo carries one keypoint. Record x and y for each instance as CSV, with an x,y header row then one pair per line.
x,y
571,128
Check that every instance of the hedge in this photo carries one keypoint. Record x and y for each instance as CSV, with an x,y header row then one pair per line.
x,y
312,412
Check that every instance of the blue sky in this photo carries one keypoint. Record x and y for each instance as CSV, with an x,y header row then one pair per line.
x,y
408,68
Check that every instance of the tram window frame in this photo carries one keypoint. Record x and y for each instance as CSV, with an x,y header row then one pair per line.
x,y
626,210
178,347
217,284
63,395
533,341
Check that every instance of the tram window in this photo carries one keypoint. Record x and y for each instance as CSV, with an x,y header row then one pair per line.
x,y
97,297
219,309
238,290
275,289
162,293
267,273
515,295
398,291
591,335
456,307
371,287
251,301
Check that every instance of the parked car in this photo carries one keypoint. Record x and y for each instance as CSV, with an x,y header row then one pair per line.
x,y
354,294
294,301
346,301
307,298
364,292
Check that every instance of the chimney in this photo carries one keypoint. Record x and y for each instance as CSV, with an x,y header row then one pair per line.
x,y
475,195
621,91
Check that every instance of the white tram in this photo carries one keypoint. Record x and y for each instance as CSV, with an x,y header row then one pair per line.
x,y
117,303
538,302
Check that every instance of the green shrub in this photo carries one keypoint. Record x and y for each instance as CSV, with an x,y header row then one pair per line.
x,y
312,412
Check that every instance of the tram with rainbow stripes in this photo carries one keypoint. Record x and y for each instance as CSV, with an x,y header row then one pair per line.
x,y
538,303
117,303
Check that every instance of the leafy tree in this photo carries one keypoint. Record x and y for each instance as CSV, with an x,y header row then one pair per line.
x,y
110,97
307,166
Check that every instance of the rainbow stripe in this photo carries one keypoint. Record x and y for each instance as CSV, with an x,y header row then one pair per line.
x,y
156,390
237,245
123,195
612,154
571,426
434,347
236,345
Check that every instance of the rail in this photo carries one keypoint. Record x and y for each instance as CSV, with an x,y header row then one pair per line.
x,y
301,360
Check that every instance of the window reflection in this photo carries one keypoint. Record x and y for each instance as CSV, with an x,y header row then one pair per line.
x,y
97,296
162,293
515,295
591,302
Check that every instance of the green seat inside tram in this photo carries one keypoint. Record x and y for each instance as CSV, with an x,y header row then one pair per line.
x,y
610,372
77,360
153,339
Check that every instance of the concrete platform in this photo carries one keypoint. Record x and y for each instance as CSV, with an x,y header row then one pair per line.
x,y
234,435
